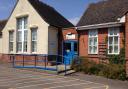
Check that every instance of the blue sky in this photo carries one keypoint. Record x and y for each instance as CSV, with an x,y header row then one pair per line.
x,y
70,9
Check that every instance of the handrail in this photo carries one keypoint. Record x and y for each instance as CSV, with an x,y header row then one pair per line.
x,y
36,60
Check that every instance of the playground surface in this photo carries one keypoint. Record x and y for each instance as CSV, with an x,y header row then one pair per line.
x,y
14,78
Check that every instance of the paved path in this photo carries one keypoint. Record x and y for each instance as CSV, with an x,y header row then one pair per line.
x,y
11,78
112,83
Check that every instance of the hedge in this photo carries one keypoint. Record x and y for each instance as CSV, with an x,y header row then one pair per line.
x,y
112,71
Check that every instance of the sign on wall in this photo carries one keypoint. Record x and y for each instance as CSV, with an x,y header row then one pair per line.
x,y
70,36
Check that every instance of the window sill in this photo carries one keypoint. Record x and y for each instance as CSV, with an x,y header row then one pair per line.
x,y
92,53
11,52
22,53
34,52
113,53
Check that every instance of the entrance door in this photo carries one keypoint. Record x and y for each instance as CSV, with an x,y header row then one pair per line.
x,y
70,51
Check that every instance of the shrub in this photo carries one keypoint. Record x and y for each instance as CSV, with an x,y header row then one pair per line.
x,y
112,71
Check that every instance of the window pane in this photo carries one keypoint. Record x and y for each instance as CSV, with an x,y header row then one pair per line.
x,y
116,31
95,41
11,36
90,49
19,36
115,49
19,46
110,40
110,49
19,23
25,46
25,35
25,23
11,46
95,33
34,46
90,41
115,40
94,49
34,35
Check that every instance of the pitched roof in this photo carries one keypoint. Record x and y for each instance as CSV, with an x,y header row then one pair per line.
x,y
50,15
2,24
103,12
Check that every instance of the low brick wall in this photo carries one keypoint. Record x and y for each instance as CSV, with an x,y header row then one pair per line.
x,y
28,60
5,58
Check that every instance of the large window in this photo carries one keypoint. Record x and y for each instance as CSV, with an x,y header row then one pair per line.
x,y
113,41
34,39
22,34
93,42
11,41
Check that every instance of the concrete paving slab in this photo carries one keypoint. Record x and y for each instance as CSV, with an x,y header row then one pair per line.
x,y
11,78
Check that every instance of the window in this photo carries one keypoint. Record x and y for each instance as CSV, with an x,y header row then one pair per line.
x,y
22,34
34,39
93,42
11,41
113,41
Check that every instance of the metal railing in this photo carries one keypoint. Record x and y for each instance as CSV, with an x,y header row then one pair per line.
x,y
40,61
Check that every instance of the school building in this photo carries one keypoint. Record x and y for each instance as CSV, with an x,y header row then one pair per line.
x,y
34,27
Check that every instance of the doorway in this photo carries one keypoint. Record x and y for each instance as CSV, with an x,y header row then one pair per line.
x,y
70,51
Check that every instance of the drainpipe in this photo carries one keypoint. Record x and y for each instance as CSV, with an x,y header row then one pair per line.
x,y
126,43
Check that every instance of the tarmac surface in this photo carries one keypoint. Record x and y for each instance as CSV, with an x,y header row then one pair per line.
x,y
12,78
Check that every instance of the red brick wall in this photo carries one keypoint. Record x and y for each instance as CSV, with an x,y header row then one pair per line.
x,y
69,30
30,60
102,36
5,58
126,43
83,43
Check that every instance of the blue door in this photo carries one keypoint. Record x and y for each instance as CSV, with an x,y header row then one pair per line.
x,y
70,51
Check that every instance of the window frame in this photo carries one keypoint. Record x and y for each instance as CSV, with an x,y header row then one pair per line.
x,y
32,29
113,37
90,32
22,27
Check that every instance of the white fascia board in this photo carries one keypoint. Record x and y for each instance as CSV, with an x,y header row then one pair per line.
x,y
122,19
104,25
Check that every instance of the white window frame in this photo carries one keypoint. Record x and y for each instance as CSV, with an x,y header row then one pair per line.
x,y
32,29
22,30
11,40
92,37
113,36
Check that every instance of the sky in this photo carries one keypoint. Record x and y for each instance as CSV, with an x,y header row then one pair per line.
x,y
70,9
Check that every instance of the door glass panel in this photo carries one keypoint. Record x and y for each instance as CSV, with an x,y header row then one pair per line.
x,y
75,47
67,47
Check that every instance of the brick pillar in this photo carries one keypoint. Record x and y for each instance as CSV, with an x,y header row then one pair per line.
x,y
126,43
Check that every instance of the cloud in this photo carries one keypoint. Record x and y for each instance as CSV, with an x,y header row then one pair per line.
x,y
74,20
